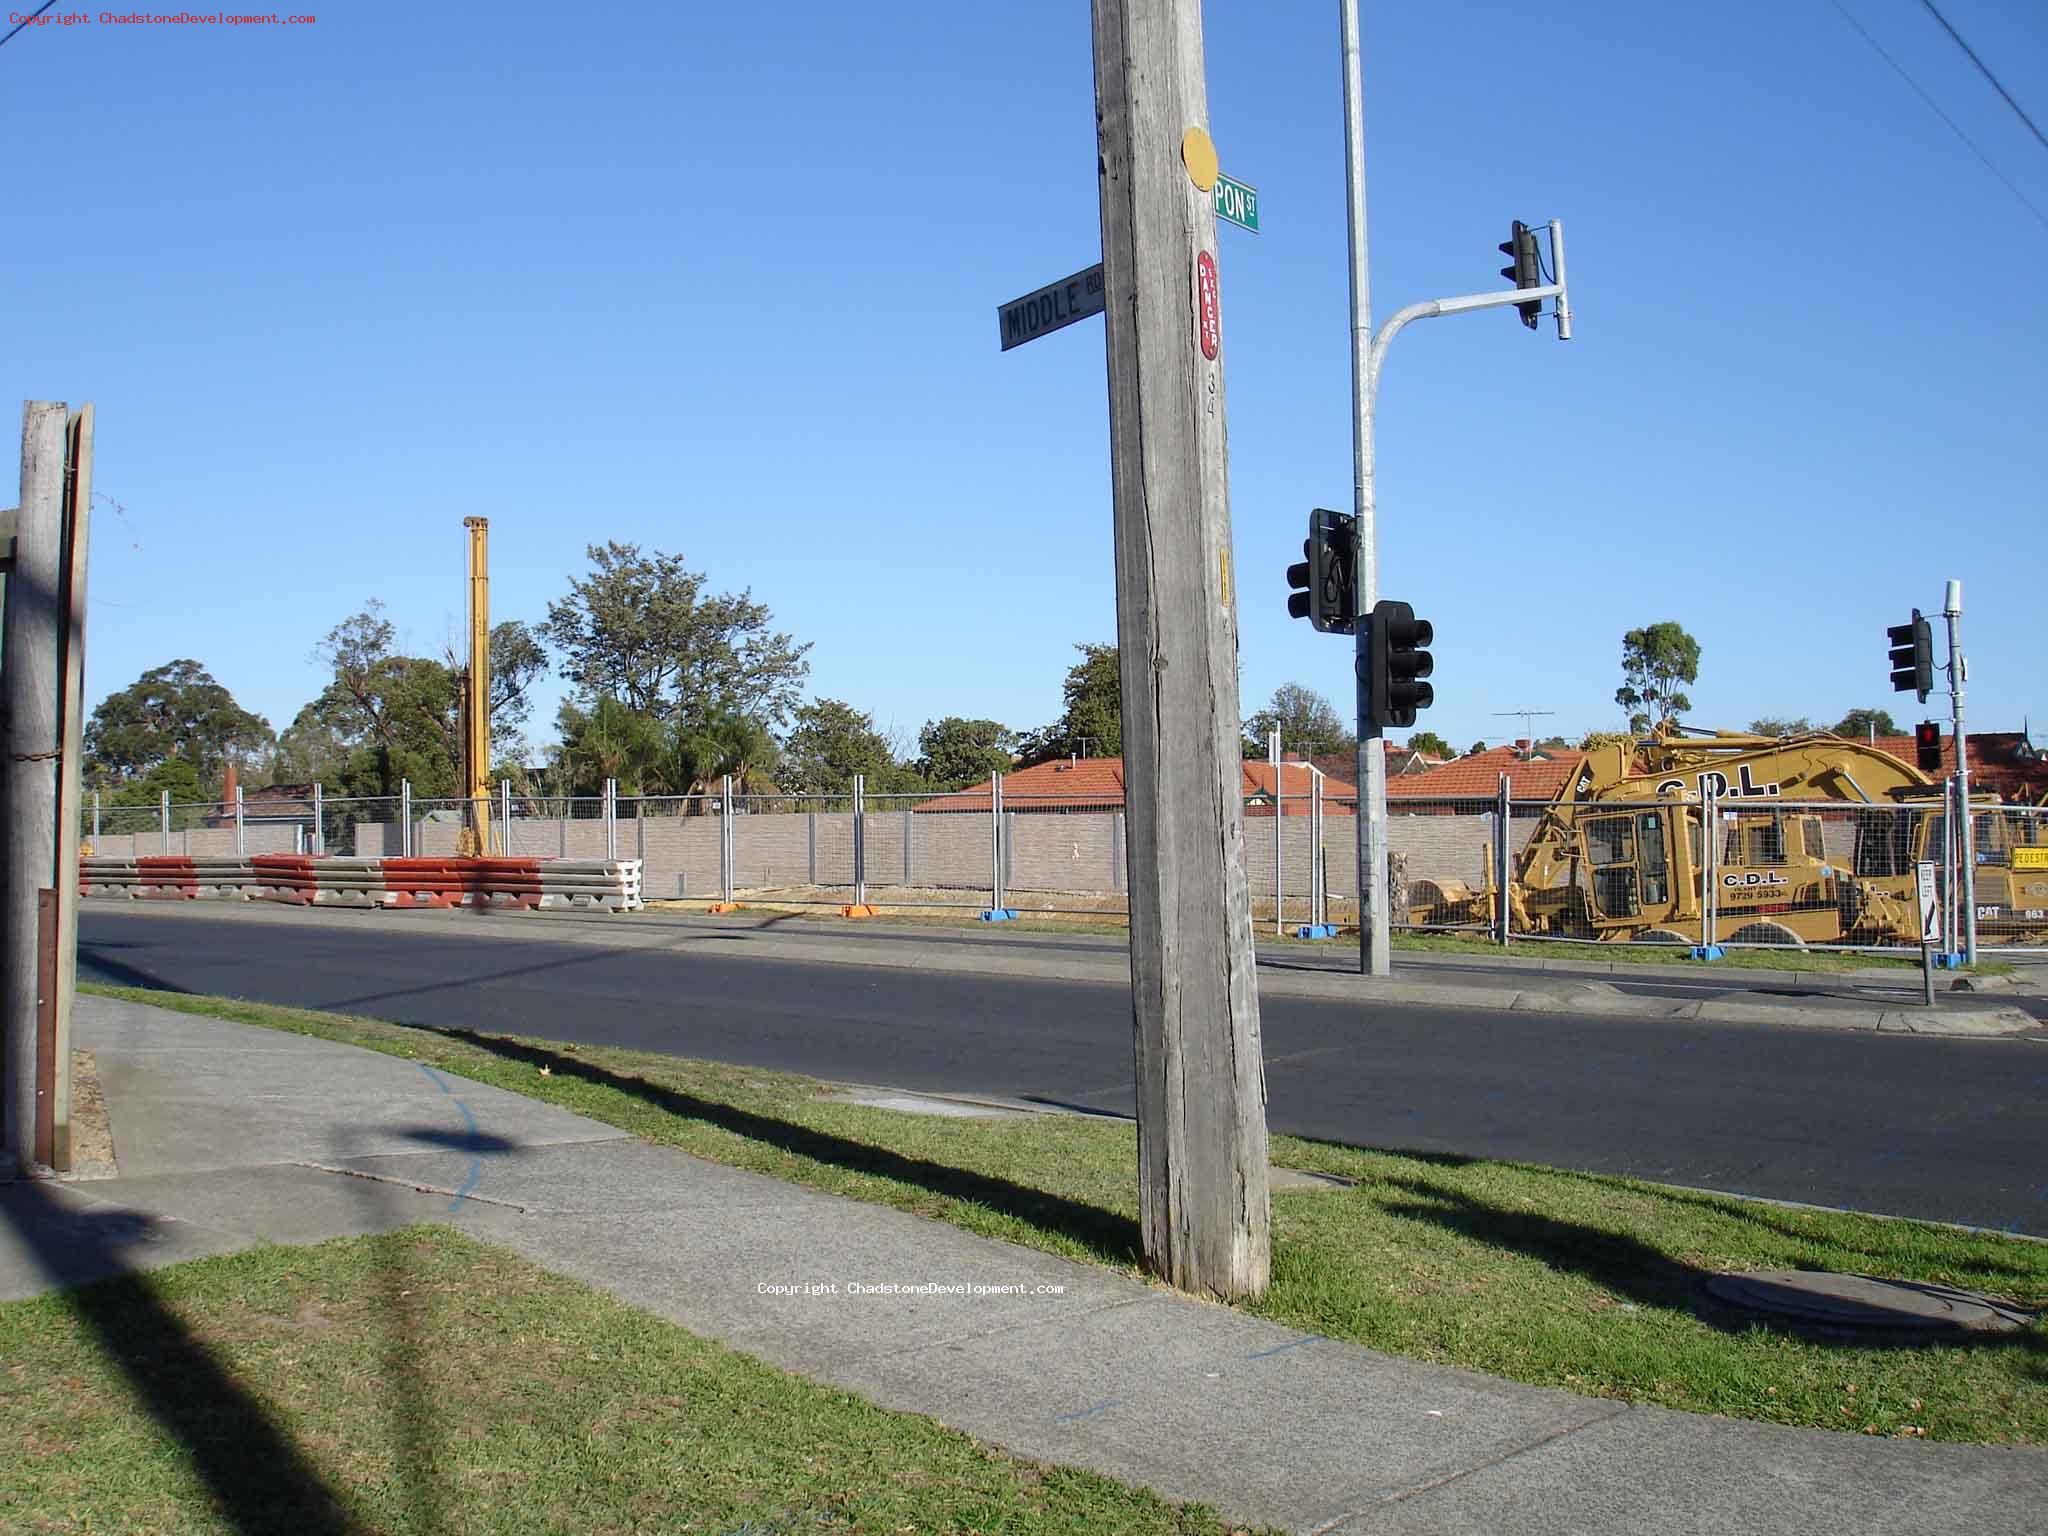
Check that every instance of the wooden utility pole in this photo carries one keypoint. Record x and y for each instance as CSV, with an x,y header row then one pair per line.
x,y
476,693
1202,1167
55,1072
29,684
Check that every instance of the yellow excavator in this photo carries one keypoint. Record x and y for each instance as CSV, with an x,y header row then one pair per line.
x,y
1816,843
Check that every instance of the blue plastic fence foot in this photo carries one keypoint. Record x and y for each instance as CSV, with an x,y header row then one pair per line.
x,y
1000,915
1708,952
1952,961
1316,931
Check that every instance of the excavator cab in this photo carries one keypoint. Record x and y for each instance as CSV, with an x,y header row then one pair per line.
x,y
1628,856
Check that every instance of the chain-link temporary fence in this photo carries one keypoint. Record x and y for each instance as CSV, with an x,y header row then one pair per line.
x,y
1731,871
1758,871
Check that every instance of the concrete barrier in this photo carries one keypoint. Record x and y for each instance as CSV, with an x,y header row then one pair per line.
x,y
308,879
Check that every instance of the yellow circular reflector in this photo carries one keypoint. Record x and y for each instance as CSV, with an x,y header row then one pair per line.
x,y
1198,154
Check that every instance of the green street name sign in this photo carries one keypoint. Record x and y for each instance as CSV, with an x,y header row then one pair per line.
x,y
1238,203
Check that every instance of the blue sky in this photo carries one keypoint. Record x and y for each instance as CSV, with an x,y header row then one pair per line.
x,y
723,282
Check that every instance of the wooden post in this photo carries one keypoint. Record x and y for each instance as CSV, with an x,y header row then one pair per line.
x,y
1202,1171
71,768
29,685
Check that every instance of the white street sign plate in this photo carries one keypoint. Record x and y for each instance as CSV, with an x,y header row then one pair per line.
x,y
1051,308
1930,906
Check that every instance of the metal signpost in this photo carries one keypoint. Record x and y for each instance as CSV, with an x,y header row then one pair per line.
x,y
1930,925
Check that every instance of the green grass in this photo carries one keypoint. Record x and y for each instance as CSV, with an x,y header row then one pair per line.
x,y
1669,954
1562,952
1555,1278
421,1382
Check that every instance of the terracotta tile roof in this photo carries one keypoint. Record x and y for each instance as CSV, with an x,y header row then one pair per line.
x,y
273,802
1294,784
2003,762
1529,778
1097,784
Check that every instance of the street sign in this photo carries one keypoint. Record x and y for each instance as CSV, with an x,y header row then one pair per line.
x,y
1930,906
1051,308
1237,202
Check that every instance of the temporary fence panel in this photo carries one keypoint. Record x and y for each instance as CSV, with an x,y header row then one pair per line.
x,y
677,839
362,827
919,858
2011,845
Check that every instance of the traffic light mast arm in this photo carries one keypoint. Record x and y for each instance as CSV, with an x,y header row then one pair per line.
x,y
1429,309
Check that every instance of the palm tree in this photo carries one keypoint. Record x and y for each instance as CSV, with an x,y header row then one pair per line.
x,y
702,752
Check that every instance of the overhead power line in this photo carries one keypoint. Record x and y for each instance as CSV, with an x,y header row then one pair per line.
x,y
39,11
1935,108
1985,70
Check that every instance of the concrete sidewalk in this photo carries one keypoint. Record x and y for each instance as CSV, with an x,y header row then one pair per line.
x,y
227,1135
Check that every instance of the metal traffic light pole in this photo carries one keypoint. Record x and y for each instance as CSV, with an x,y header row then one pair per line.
x,y
1958,674
1368,350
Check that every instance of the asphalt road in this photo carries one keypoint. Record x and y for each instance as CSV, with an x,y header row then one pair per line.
x,y
1949,1129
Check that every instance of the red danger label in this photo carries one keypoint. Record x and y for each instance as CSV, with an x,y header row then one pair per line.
x,y
1207,309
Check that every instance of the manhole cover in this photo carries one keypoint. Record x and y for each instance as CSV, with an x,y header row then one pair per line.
x,y
1862,1301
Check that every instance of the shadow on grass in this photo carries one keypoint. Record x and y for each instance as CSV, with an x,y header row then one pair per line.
x,y
1631,1268
1113,1238
260,1484
95,964
1757,1211
1780,1221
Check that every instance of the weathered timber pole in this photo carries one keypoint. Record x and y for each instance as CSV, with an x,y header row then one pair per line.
x,y
28,698
77,541
1201,1081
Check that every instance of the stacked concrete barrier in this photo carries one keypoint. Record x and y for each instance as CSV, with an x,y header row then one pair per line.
x,y
611,885
166,878
313,880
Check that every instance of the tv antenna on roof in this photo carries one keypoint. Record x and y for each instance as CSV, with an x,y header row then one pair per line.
x,y
1526,715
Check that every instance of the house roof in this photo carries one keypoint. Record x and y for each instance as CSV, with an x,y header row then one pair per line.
x,y
1529,778
272,802
2006,763
1344,765
1097,783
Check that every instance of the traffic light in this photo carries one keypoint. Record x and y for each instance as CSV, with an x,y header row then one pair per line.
x,y
1396,663
1927,746
1523,268
1912,657
1326,582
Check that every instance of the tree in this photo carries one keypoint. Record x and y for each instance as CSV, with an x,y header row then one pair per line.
x,y
175,774
831,743
1475,749
1429,744
1771,726
1861,722
704,751
641,629
1595,739
1093,723
1655,661
955,753
1307,722
177,710
397,717
610,741
517,660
